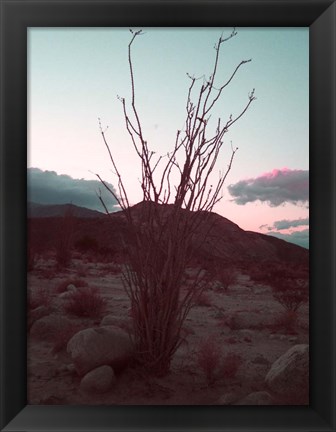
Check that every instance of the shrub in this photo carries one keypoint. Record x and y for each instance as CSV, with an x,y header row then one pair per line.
x,y
47,273
209,358
258,275
289,293
86,244
85,302
106,253
81,271
226,277
230,365
64,240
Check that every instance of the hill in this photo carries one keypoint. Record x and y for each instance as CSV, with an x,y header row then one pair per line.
x,y
58,210
225,240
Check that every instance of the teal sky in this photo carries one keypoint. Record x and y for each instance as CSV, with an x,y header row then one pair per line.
x,y
75,75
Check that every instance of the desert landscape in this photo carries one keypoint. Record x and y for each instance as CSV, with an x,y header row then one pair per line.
x,y
167,302
245,340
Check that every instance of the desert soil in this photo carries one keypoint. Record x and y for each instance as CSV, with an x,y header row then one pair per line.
x,y
258,341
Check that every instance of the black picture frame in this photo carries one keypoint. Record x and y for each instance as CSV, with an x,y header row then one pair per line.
x,y
16,17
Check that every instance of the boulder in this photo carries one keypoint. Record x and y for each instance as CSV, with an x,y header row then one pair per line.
x,y
112,320
94,347
66,294
109,320
228,399
257,398
99,380
49,327
289,375
37,313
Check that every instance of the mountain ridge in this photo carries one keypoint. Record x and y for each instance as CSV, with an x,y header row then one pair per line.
x,y
226,241
37,210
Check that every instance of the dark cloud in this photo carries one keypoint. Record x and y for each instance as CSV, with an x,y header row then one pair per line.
x,y
275,188
286,224
48,187
300,238
263,226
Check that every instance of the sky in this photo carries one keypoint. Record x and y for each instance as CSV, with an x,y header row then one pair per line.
x,y
75,76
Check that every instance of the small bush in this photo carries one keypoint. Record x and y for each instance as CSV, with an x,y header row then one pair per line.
x,y
85,302
64,239
81,271
259,275
225,277
106,253
289,293
209,358
47,273
230,365
86,244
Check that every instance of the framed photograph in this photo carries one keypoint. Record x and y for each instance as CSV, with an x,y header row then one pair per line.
x,y
167,216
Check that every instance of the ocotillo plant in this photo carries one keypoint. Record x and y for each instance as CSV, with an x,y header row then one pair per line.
x,y
161,237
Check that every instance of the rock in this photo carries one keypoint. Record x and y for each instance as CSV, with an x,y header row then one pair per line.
x,y
111,320
95,347
66,294
228,399
62,368
99,380
71,288
257,398
36,314
71,368
49,327
53,400
289,375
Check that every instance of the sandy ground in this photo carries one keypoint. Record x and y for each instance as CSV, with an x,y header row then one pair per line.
x,y
52,379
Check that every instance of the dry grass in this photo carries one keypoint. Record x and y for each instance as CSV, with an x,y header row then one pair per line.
x,y
85,302
208,358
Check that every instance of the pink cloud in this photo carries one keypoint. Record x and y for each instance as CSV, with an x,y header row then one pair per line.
x,y
276,187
